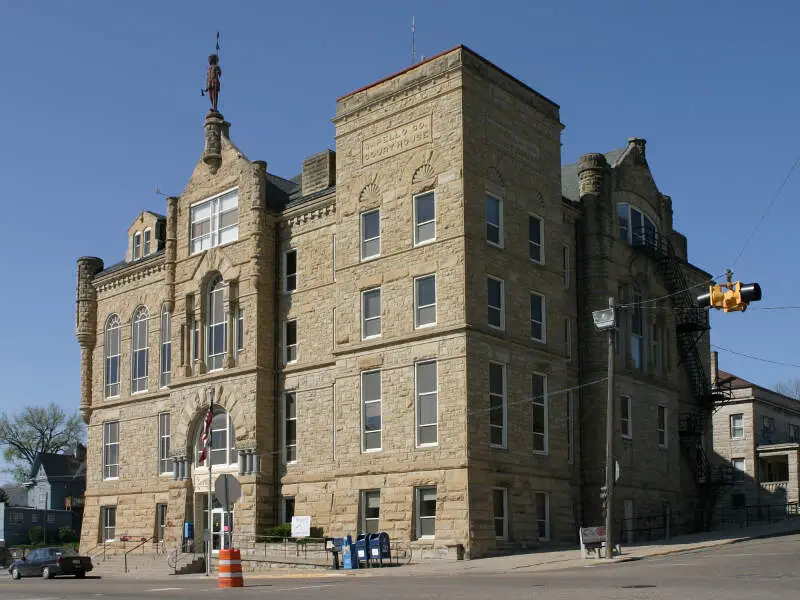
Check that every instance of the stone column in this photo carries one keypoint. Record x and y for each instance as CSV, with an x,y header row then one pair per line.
x,y
212,152
171,250
86,326
200,320
231,304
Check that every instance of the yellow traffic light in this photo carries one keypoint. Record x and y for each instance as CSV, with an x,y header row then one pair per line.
x,y
733,296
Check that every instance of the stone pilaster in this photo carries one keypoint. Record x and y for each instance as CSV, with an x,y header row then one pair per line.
x,y
86,326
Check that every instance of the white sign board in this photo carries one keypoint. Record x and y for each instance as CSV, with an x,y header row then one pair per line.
x,y
301,527
591,539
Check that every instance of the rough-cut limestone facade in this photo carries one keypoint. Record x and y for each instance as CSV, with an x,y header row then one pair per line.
x,y
455,125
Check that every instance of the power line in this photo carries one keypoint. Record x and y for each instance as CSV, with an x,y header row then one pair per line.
x,y
758,358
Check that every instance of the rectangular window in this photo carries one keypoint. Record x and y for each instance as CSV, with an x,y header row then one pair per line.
x,y
290,426
425,511
111,450
290,341
137,246
425,301
542,501
538,331
239,330
147,233
570,427
164,461
737,426
370,313
625,420
214,222
370,511
427,403
637,332
623,222
565,267
655,348
290,271
161,522
496,303
498,409
568,338
109,523
738,465
494,221
535,237
424,218
662,426
793,432
166,349
287,509
195,339
500,509
767,426
370,234
371,410
540,410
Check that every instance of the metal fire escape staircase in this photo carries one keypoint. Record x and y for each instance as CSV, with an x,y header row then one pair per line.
x,y
691,323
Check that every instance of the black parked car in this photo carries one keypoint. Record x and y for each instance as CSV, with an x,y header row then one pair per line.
x,y
49,562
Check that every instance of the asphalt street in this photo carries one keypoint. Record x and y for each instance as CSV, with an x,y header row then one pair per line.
x,y
767,568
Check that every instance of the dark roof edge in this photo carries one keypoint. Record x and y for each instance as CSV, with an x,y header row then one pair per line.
x,y
120,266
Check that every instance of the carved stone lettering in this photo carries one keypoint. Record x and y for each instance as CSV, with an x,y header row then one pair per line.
x,y
397,140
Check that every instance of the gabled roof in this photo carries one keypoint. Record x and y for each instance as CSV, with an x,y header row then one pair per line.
x,y
734,381
59,467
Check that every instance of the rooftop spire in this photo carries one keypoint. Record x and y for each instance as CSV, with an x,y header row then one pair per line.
x,y
215,125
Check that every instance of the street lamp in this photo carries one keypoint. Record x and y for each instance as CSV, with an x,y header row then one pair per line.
x,y
606,320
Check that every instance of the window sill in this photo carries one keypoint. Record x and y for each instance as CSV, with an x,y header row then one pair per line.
x,y
110,478
627,437
117,397
539,341
427,446
424,243
369,258
541,263
498,446
371,450
541,452
496,328
371,337
425,325
498,246
138,392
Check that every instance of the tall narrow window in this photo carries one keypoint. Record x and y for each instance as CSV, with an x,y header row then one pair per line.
x,y
370,511
137,246
239,330
538,330
427,403
370,234
111,450
371,410
656,348
737,426
500,508
540,409
542,502
425,510
109,523
287,509
290,271
625,417
161,522
425,301
494,221
166,348
111,350
496,303
739,469
570,427
214,222
565,267
164,460
140,351
290,426
568,338
371,313
195,323
424,218
498,409
217,328
535,237
147,233
662,426
637,331
290,341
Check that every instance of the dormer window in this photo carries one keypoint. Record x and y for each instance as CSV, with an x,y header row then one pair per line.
x,y
214,222
137,246
147,235
635,227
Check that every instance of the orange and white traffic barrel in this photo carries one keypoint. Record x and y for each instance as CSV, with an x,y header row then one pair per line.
x,y
230,569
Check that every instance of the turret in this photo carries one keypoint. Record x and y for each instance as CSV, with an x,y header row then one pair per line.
x,y
86,326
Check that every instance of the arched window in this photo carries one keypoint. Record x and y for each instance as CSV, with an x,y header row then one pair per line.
x,y
223,440
635,227
166,347
217,329
111,352
139,352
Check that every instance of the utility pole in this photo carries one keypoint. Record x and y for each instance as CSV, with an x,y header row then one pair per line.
x,y
610,437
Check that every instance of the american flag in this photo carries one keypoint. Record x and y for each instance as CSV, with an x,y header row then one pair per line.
x,y
206,436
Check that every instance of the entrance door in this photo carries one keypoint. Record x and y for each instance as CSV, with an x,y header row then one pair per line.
x,y
161,521
628,526
221,527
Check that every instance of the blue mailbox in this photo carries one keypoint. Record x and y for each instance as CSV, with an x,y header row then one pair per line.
x,y
349,554
361,548
379,547
188,530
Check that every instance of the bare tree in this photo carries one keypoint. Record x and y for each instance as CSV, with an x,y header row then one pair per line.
x,y
37,430
789,387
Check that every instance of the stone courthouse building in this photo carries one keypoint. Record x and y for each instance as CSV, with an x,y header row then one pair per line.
x,y
399,338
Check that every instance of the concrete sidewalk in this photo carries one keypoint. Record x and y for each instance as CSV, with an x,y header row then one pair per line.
x,y
568,559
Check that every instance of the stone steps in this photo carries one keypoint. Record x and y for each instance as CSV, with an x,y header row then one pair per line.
x,y
148,563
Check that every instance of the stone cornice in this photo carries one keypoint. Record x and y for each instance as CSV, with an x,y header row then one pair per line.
x,y
306,213
129,274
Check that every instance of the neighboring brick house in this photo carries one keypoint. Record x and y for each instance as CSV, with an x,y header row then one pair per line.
x,y
757,434
397,337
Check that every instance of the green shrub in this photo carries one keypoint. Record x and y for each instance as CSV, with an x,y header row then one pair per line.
x,y
36,535
66,535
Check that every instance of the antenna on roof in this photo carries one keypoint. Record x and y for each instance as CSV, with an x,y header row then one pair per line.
x,y
159,192
413,43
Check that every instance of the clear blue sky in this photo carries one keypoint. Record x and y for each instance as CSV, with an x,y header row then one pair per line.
x,y
100,104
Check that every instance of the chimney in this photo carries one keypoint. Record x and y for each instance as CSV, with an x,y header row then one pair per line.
x,y
319,172
714,368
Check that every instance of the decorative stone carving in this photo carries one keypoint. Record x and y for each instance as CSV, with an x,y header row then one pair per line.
x,y
370,193
592,171
423,173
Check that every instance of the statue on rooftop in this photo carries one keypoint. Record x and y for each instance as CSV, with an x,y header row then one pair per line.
x,y
212,80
